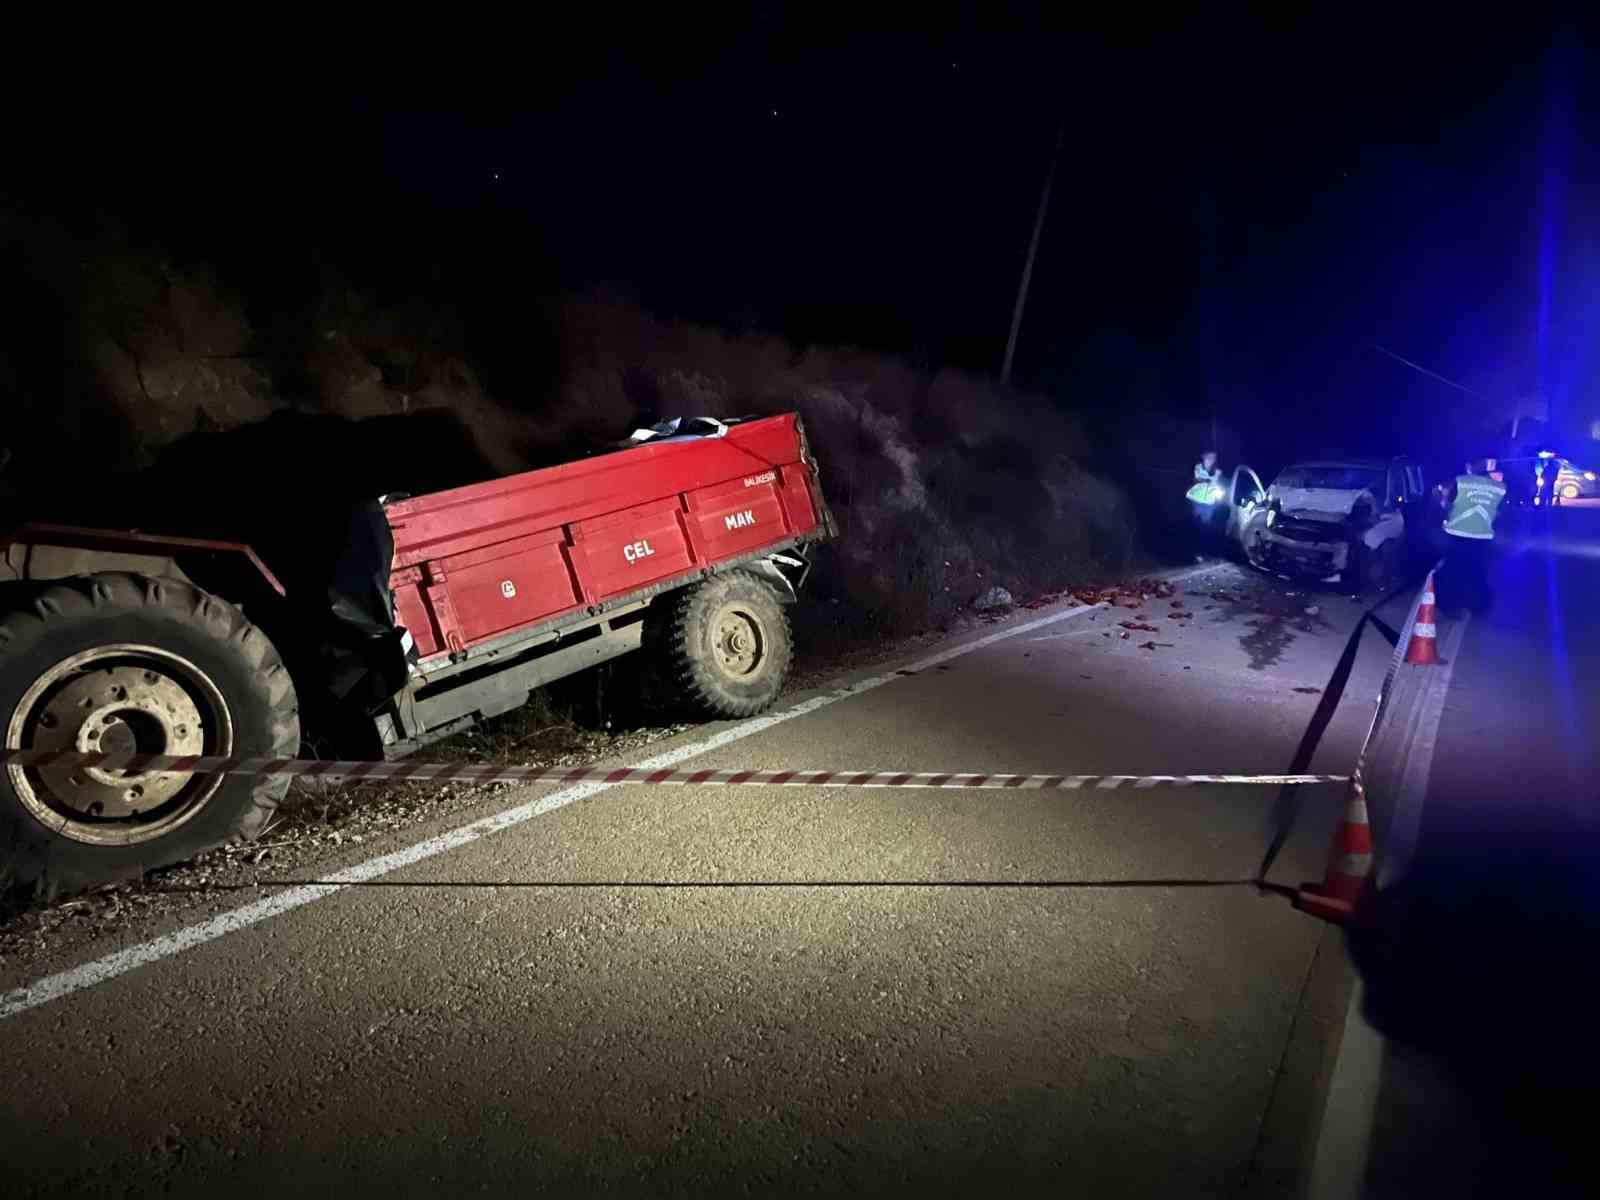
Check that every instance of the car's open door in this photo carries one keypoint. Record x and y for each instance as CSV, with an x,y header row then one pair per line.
x,y
1247,503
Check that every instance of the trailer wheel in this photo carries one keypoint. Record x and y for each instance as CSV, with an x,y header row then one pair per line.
x,y
727,646
127,662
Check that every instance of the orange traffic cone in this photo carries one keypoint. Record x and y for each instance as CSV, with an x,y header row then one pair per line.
x,y
1423,648
1335,898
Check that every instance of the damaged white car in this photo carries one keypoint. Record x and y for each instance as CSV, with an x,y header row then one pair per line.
x,y
1340,522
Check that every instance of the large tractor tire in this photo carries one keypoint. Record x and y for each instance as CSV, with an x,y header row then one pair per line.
x,y
723,646
117,662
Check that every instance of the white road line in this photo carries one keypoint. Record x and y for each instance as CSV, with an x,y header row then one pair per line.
x,y
1056,637
54,987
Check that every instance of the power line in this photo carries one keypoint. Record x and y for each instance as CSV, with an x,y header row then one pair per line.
x,y
1428,373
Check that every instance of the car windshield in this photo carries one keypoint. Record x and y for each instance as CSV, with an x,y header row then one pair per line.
x,y
1338,479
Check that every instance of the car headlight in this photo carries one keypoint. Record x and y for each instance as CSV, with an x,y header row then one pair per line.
x,y
1589,475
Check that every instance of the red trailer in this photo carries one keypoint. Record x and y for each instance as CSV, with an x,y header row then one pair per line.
x,y
509,584
686,546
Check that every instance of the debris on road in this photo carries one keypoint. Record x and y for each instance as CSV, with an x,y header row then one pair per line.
x,y
1139,627
1309,691
1133,594
1155,645
993,600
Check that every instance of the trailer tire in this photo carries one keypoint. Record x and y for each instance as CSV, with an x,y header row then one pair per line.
x,y
726,646
156,665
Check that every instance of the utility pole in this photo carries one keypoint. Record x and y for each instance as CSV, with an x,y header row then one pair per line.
x,y
1033,249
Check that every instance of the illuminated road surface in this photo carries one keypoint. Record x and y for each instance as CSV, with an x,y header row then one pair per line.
x,y
706,991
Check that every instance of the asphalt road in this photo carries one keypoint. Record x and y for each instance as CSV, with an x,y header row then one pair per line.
x,y
708,991
1479,964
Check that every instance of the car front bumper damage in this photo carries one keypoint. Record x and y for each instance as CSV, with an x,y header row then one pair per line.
x,y
1300,556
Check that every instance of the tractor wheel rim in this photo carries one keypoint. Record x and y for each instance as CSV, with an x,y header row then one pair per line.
x,y
738,641
122,698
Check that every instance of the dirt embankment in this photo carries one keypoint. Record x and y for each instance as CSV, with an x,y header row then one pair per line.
x,y
944,483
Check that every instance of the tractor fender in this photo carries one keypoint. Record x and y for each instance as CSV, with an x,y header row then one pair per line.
x,y
36,552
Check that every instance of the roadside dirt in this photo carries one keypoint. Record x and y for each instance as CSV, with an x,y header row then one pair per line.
x,y
317,820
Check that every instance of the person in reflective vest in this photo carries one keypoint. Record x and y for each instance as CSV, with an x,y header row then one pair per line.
x,y
1475,501
1205,497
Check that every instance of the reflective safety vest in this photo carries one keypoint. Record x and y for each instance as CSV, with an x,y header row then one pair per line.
x,y
1478,501
1206,489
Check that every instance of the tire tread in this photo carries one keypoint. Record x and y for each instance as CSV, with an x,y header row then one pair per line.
x,y
90,595
690,676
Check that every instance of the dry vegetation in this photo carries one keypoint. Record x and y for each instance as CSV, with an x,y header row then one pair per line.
x,y
943,482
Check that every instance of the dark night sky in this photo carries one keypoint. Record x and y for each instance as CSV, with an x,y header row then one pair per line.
x,y
1241,207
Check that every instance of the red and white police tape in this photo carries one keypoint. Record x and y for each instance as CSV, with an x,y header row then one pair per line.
x,y
407,771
